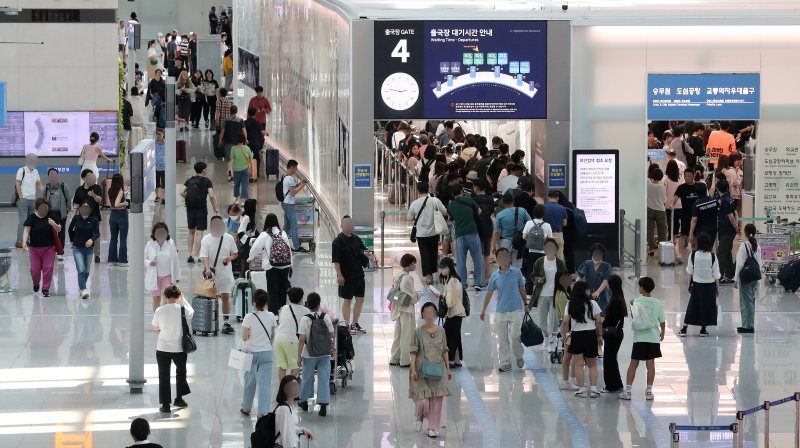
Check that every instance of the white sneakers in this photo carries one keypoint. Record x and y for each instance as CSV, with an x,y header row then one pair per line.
x,y
418,426
569,385
84,294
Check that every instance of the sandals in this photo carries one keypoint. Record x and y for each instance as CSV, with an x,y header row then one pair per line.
x,y
243,412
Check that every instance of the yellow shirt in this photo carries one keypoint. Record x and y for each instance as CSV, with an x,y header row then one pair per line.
x,y
227,66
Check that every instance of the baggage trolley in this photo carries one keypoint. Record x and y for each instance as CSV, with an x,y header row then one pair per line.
x,y
779,246
306,221
341,367
5,266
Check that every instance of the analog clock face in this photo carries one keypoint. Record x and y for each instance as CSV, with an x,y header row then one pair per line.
x,y
400,91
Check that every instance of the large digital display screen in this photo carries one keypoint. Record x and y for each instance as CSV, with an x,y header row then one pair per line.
x,y
249,68
57,134
595,183
461,69
705,96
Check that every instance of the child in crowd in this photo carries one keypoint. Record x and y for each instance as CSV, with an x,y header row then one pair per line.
x,y
234,216
646,341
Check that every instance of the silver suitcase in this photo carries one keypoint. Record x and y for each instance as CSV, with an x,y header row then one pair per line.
x,y
666,253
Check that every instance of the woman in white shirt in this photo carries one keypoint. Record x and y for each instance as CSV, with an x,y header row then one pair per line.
x,y
285,418
582,316
286,338
168,323
703,266
258,332
546,272
673,180
454,297
161,261
656,209
277,263
405,323
747,290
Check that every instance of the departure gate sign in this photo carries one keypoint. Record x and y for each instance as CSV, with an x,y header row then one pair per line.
x,y
473,69
705,96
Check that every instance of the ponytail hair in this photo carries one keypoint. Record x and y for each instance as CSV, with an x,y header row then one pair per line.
x,y
94,138
750,233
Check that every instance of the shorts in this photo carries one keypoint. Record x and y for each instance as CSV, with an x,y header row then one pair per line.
x,y
161,179
686,222
223,282
486,247
645,351
286,355
197,218
584,343
353,287
162,283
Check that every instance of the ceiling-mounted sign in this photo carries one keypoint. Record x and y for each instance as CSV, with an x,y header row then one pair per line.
x,y
468,69
707,96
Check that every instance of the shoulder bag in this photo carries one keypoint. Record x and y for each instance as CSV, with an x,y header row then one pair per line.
x,y
518,243
82,157
265,328
207,287
187,342
612,332
432,370
414,227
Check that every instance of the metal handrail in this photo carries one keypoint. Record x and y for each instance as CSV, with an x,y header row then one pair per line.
x,y
625,256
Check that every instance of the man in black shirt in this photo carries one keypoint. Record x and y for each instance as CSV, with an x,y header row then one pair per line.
x,y
727,228
487,205
176,69
687,193
524,198
704,217
350,256
196,191
212,20
91,193
232,128
255,136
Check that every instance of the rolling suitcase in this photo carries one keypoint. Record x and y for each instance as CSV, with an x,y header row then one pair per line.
x,y
206,316
180,151
272,162
242,295
666,253
219,150
258,279
789,276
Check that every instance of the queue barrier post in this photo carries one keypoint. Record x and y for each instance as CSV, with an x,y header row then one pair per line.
x,y
736,434
740,422
637,259
383,264
766,423
675,435
797,420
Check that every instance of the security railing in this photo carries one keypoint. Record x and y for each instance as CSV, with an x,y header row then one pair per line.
x,y
630,257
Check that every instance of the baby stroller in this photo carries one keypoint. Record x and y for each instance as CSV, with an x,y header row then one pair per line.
x,y
554,343
341,367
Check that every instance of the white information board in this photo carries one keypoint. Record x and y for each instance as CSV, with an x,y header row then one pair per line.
x,y
596,187
778,172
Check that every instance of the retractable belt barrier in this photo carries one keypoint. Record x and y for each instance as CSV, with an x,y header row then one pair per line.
x,y
737,427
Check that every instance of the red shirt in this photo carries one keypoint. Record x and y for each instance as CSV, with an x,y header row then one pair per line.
x,y
261,104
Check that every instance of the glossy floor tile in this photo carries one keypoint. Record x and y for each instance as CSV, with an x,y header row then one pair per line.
x,y
63,366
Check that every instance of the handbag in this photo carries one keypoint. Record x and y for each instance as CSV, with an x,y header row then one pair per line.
x,y
414,227
187,342
751,271
82,157
207,287
57,242
611,332
440,224
432,370
398,297
240,360
530,333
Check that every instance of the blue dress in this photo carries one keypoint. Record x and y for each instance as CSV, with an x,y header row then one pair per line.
x,y
595,277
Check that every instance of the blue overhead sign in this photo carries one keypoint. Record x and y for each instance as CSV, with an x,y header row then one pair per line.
x,y
708,96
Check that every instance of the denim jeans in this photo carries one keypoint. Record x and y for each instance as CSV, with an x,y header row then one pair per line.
x,y
747,303
118,222
471,243
323,368
241,182
83,262
24,208
260,373
290,223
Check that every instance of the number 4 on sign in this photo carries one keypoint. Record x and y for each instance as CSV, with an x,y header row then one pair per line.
x,y
401,51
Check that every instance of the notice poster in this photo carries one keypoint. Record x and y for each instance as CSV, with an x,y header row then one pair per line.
x,y
778,179
487,69
595,183
12,136
53,134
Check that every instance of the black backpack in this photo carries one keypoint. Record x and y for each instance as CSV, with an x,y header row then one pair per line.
x,y
279,193
265,434
195,193
425,171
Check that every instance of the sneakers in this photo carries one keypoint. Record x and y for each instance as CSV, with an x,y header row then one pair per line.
x,y
505,368
164,408
742,330
624,395
478,288
726,281
323,410
97,260
303,405
703,333
301,250
180,403
418,425
648,395
432,434
582,393
122,264
520,363
227,329
569,385
606,391
84,294
45,293
356,329
190,260
593,393
682,333
60,257
35,288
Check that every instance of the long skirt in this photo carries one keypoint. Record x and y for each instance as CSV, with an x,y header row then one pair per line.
x,y
702,309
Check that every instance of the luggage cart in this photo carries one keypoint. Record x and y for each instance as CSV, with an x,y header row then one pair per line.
x,y
5,267
776,251
306,221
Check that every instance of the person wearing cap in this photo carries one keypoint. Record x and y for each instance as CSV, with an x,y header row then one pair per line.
x,y
469,191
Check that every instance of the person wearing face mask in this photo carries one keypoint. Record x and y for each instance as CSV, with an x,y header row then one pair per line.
x,y
403,316
454,297
595,273
546,272
511,301
217,251
429,345
161,259
84,231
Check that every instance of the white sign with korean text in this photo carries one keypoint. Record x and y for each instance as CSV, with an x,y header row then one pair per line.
x,y
595,181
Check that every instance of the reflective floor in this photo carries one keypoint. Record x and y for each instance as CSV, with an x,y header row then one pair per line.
x,y
63,366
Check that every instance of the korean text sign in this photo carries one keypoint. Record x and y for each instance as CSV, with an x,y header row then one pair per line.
x,y
708,96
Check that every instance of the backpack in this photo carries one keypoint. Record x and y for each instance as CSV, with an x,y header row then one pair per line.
x,y
751,271
344,343
641,318
266,432
398,297
580,222
425,171
280,195
48,190
279,252
319,338
535,240
195,193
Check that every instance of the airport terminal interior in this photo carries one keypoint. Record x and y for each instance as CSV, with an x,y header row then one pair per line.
x,y
605,110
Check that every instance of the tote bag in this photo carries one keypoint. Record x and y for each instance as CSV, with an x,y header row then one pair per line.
x,y
240,360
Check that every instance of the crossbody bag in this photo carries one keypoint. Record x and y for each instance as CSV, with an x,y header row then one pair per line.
x,y
414,227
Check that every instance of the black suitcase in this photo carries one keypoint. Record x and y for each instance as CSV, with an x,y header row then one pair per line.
x,y
219,150
789,276
206,316
272,162
180,151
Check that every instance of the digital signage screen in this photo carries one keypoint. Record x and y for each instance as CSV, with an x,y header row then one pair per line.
x,y
249,68
57,134
461,69
596,186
